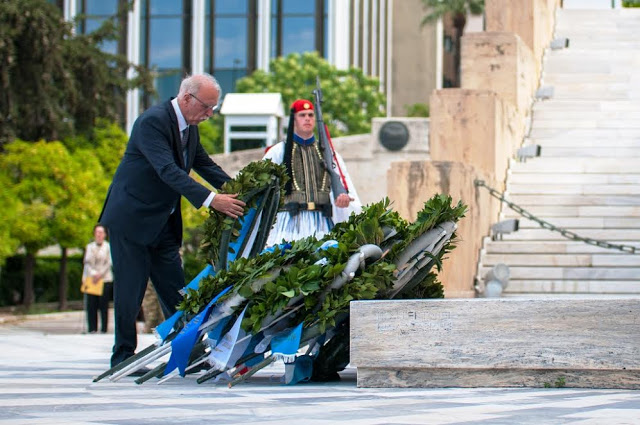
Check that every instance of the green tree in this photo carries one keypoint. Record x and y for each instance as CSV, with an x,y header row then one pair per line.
x,y
76,213
38,176
107,142
211,131
458,11
351,99
10,205
417,110
32,74
55,84
94,162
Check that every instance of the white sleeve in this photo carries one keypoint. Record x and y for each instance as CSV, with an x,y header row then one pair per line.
x,y
207,202
355,206
275,153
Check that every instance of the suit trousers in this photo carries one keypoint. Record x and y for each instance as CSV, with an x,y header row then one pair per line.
x,y
133,265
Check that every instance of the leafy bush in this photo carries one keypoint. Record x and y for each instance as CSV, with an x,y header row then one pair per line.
x,y
631,3
45,281
350,98
211,134
417,110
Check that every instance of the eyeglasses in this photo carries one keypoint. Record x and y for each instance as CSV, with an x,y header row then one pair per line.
x,y
213,108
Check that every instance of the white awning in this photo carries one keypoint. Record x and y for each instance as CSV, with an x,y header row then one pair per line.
x,y
253,104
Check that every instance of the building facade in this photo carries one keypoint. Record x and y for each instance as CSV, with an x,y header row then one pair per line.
x,y
232,38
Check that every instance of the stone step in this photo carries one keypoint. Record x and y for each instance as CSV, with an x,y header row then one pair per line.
x,y
580,20
585,222
572,189
567,260
578,93
587,179
559,105
555,286
577,165
597,80
569,123
605,235
607,29
572,273
561,247
600,64
574,14
614,40
613,32
610,55
568,60
587,134
549,211
573,114
590,143
591,152
604,24
572,138
583,41
571,200
522,177
568,65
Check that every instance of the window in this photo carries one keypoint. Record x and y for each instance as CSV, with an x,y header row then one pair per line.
x,y
94,13
165,44
298,26
230,40
59,3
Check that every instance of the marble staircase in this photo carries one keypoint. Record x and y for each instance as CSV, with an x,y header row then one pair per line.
x,y
587,178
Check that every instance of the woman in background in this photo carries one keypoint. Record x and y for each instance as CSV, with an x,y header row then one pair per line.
x,y
97,265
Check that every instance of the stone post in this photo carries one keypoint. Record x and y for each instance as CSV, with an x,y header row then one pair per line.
x,y
473,127
532,20
500,62
413,183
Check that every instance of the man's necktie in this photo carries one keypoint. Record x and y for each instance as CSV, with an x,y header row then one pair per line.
x,y
184,139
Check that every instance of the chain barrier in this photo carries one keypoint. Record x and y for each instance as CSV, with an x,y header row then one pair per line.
x,y
546,225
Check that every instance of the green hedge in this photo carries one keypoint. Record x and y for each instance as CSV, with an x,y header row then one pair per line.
x,y
631,3
45,280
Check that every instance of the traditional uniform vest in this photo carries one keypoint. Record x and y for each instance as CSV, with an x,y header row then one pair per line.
x,y
311,183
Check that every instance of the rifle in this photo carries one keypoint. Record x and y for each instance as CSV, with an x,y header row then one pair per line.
x,y
338,185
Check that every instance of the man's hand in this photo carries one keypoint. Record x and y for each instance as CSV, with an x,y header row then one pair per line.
x,y
342,201
228,204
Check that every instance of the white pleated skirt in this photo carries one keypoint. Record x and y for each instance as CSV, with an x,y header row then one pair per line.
x,y
292,228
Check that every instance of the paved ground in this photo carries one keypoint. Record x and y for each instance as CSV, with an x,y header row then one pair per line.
x,y
47,365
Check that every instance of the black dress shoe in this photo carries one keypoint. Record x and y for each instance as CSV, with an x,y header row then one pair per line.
x,y
140,372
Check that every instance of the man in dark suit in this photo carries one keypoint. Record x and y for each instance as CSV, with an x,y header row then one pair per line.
x,y
142,209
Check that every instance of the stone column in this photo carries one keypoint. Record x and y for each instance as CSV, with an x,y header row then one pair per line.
x,y
411,184
500,62
532,20
473,127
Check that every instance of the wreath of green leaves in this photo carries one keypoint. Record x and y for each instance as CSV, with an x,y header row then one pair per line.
x,y
276,282
249,181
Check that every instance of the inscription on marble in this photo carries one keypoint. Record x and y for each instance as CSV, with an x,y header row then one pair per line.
x,y
414,321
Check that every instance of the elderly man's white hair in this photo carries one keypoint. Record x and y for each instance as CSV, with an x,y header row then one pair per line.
x,y
192,83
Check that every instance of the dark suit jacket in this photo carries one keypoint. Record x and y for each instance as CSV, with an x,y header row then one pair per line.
x,y
151,177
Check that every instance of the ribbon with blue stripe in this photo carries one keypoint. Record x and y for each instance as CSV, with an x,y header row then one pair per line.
x,y
182,345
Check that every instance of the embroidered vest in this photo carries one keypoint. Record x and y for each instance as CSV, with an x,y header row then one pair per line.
x,y
311,182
